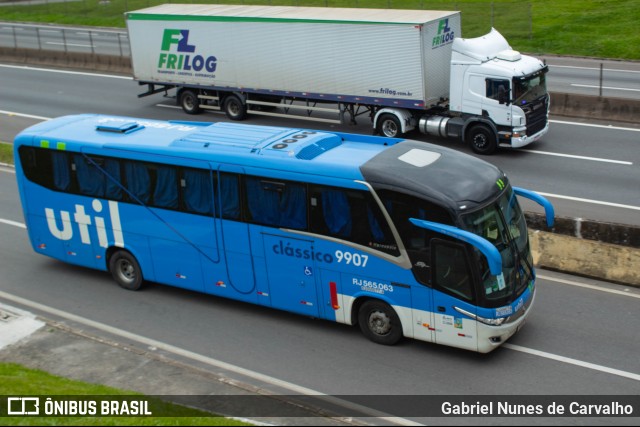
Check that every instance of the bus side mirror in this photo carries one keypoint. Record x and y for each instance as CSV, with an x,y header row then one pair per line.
x,y
548,207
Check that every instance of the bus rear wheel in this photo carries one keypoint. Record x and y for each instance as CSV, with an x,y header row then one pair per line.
x,y
125,270
379,322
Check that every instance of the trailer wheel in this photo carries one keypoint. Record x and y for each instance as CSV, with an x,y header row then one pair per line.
x,y
379,322
125,270
189,101
389,126
482,140
234,108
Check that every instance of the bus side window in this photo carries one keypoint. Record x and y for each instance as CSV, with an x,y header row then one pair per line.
x,y
229,196
350,215
98,177
198,191
138,181
276,203
451,269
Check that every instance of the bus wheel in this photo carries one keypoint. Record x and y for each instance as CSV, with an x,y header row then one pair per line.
x,y
482,140
389,126
125,270
234,108
379,322
189,101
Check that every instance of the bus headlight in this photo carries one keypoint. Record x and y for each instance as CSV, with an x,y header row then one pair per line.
x,y
491,322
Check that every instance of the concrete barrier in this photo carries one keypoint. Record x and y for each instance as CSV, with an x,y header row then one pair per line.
x,y
595,107
596,249
587,248
76,60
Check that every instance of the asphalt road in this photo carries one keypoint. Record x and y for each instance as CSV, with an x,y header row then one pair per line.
x,y
588,170
588,76
581,339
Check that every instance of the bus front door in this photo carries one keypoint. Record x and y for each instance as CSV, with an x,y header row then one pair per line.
x,y
453,294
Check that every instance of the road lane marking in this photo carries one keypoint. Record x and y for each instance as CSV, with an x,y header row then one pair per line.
x,y
595,125
618,70
588,286
573,156
570,361
78,73
28,116
595,202
606,87
71,44
149,342
14,223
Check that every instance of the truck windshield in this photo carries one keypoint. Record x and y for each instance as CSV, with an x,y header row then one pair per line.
x,y
502,223
528,89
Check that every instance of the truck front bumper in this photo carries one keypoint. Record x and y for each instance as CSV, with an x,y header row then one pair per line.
x,y
517,139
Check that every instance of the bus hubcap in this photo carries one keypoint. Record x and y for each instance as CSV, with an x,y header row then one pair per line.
x,y
379,323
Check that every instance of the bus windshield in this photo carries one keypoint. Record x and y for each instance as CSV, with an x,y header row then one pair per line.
x,y
503,224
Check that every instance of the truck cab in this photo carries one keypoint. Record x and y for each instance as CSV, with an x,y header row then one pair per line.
x,y
495,87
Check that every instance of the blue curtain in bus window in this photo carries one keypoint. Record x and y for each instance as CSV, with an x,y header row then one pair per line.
x,y
61,175
293,207
112,190
230,196
90,178
138,181
166,192
198,194
263,201
337,212
376,230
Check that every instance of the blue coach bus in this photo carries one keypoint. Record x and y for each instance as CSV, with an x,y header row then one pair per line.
x,y
403,238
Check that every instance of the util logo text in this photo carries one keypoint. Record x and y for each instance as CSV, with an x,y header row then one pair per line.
x,y
445,34
182,60
84,221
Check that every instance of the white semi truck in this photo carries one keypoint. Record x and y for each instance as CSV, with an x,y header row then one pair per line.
x,y
405,69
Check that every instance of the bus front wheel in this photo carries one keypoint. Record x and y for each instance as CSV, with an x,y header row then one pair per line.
x,y
379,322
125,270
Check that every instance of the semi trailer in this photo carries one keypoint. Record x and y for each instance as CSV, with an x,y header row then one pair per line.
x,y
404,69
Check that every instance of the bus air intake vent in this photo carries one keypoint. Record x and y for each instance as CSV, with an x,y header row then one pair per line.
x,y
314,150
119,127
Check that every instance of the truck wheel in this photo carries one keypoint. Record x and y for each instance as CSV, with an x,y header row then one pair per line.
x,y
482,139
125,270
234,108
189,101
389,126
379,322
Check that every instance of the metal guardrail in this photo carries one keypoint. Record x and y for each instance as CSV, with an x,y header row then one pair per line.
x,y
65,39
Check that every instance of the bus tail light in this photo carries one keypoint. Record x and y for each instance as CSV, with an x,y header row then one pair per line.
x,y
333,290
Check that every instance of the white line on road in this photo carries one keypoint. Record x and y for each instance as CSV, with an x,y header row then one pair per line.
x,y
573,156
14,223
570,361
595,202
606,87
200,358
28,116
595,68
78,73
594,125
587,286
70,44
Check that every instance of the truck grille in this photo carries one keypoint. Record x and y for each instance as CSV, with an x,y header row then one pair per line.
x,y
536,113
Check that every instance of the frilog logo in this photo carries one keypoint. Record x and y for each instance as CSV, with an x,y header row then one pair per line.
x,y
445,34
182,60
